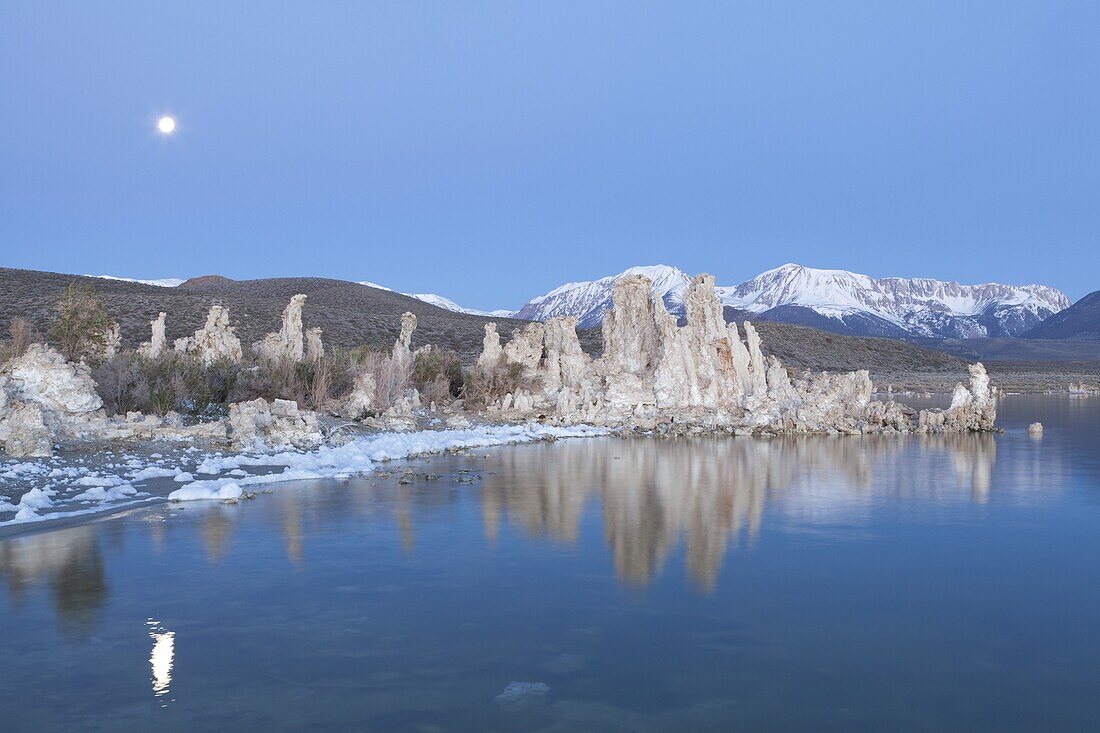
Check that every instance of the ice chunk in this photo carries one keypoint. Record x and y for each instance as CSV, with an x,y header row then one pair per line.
x,y
201,490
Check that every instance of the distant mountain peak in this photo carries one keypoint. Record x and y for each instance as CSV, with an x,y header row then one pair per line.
x,y
164,282
588,299
446,303
840,300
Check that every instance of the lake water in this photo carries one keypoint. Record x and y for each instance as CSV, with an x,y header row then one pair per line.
x,y
594,584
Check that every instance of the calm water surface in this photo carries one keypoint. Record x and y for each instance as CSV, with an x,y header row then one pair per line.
x,y
705,584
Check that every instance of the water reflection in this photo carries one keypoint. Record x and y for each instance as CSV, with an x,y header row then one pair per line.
x,y
654,499
68,563
711,493
161,657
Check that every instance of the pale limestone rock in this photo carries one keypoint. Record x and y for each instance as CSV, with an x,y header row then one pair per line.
x,y
361,400
402,353
42,375
739,355
654,374
258,424
525,348
971,410
315,348
631,348
491,352
758,381
215,340
289,341
26,433
152,348
696,368
41,391
565,366
112,341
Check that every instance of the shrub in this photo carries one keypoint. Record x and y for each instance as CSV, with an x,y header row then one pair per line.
x,y
310,383
80,325
486,386
22,335
438,372
391,377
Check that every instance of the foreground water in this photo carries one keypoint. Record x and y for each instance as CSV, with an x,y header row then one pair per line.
x,y
593,584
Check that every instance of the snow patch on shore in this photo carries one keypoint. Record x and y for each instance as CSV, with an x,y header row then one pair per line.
x,y
109,481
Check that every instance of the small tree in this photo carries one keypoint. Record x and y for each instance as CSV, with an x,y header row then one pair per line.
x,y
80,326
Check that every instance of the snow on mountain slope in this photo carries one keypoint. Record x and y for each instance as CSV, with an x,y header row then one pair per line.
x,y
588,300
897,306
446,303
835,300
165,282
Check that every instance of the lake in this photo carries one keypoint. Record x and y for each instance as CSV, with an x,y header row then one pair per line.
x,y
603,584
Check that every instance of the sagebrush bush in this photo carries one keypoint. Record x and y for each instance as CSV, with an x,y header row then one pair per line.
x,y
79,327
391,377
438,372
484,386
170,382
21,334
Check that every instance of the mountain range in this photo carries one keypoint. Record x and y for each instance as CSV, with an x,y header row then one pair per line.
x,y
839,301
833,300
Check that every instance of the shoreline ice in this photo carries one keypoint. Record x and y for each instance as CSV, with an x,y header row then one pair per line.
x,y
57,488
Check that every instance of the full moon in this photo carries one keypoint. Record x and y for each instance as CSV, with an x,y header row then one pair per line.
x,y
166,125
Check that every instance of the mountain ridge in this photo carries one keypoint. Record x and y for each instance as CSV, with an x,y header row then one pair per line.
x,y
837,300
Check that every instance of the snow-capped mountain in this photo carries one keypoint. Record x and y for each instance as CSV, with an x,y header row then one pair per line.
x,y
835,300
852,303
589,299
165,282
446,303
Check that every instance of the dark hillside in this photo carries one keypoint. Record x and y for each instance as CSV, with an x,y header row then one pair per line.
x,y
352,315
1080,321
349,314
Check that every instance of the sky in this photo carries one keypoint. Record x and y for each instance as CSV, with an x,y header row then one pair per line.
x,y
492,151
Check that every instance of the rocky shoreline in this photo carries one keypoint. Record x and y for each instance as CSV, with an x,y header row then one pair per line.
x,y
654,376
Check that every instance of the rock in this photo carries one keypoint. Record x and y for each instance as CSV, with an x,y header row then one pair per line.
x,y
491,352
361,399
525,348
1035,428
258,424
290,341
564,365
112,341
26,433
43,376
152,348
215,340
402,353
655,374
971,410
315,348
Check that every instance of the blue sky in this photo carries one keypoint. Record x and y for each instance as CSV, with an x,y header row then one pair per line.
x,y
491,151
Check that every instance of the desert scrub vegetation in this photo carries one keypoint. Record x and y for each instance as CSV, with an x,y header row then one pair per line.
x,y
484,386
437,375
80,325
173,382
21,334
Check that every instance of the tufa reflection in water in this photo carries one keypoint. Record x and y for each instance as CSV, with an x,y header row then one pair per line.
x,y
709,492
705,495
67,562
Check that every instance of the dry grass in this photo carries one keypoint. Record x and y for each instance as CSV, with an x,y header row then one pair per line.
x,y
484,387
